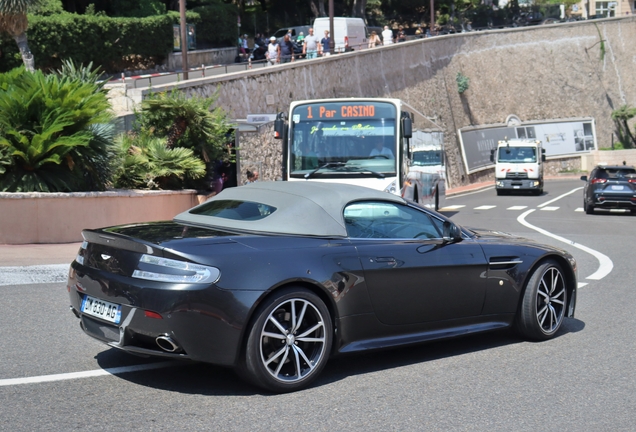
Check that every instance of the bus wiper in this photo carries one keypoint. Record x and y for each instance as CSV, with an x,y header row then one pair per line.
x,y
360,169
327,165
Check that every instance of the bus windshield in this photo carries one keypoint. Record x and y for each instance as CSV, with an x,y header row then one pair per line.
x,y
335,139
517,154
427,158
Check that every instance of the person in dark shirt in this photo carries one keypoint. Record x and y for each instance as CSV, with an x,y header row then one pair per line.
x,y
401,35
287,49
325,48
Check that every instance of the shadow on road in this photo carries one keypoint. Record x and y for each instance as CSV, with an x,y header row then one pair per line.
x,y
210,380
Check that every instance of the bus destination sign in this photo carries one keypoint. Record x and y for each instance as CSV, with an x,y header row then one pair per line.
x,y
342,111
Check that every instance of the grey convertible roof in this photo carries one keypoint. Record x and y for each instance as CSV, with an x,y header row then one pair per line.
x,y
303,208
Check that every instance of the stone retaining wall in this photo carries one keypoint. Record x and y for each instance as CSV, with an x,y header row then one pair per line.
x,y
571,70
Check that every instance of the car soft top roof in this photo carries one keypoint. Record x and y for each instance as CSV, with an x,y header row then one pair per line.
x,y
302,208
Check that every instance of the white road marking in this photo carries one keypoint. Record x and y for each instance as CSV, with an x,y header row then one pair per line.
x,y
485,207
581,284
85,374
453,207
579,209
605,264
559,197
516,207
550,208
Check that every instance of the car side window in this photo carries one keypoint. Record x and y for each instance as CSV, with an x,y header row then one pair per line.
x,y
377,219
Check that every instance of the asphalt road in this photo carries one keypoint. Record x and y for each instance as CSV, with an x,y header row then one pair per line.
x,y
583,380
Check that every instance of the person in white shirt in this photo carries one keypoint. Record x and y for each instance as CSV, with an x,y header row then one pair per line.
x,y
387,36
380,150
311,44
273,52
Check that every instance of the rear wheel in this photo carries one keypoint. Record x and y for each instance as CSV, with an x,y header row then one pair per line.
x,y
589,209
289,341
543,305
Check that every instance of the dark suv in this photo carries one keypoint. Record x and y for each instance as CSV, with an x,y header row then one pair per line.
x,y
610,187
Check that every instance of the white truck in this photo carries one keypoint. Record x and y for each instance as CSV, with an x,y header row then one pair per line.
x,y
518,165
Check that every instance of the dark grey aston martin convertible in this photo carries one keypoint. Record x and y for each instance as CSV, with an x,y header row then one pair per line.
x,y
274,278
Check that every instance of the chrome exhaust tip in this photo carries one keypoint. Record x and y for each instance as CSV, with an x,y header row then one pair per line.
x,y
166,343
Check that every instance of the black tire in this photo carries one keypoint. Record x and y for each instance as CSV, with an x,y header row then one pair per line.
x,y
589,209
499,192
543,304
282,355
415,196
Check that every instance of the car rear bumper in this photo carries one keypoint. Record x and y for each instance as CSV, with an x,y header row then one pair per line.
x,y
203,324
614,201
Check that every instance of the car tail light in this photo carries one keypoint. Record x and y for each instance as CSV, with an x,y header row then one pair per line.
x,y
346,42
151,314
160,269
631,180
598,180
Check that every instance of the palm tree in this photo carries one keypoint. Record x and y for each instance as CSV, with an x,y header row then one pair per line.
x,y
13,21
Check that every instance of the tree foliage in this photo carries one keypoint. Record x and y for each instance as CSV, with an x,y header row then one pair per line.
x,y
54,133
147,162
621,118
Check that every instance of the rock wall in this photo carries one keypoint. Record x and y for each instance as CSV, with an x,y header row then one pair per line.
x,y
581,69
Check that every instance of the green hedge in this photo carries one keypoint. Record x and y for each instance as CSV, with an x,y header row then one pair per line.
x,y
115,44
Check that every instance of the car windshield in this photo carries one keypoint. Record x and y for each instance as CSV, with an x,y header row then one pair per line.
x,y
615,173
517,154
427,158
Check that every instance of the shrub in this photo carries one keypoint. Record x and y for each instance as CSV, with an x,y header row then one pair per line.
x,y
187,122
54,133
147,162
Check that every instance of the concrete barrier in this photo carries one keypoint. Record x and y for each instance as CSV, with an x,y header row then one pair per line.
x,y
60,217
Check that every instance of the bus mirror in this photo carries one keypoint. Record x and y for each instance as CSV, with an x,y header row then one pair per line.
x,y
542,155
407,127
492,155
279,126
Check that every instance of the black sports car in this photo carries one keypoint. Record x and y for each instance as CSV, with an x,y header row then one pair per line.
x,y
273,278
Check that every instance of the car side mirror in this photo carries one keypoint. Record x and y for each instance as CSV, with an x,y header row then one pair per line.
x,y
584,178
492,155
452,232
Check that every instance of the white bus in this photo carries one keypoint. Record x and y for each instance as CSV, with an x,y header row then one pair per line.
x,y
362,141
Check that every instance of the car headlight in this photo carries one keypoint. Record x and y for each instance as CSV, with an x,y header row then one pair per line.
x,y
160,269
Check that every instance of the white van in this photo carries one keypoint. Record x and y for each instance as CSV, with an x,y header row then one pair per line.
x,y
349,33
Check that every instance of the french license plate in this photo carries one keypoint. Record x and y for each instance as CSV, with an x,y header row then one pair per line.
x,y
101,309
516,187
617,187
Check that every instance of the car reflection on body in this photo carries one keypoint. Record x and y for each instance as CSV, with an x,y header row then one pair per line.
x,y
610,187
273,278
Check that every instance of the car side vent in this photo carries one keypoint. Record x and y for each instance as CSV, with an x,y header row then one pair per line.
x,y
504,263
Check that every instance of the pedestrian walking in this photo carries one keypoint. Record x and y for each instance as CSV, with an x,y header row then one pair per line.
x,y
311,44
273,52
387,36
401,35
374,40
325,44
286,50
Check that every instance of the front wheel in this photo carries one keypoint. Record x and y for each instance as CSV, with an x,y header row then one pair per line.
x,y
289,341
589,209
543,304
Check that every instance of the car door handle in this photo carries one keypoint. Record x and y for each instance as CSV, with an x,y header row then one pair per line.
x,y
384,259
